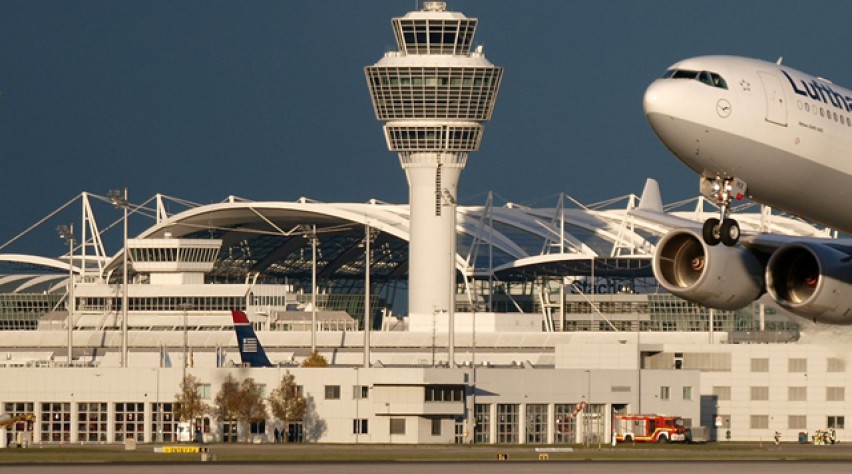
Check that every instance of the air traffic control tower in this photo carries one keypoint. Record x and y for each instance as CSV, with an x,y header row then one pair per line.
x,y
433,95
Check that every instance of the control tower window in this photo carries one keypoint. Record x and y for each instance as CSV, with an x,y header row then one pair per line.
x,y
434,36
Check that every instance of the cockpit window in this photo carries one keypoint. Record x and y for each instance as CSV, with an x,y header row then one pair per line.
x,y
718,81
710,78
684,74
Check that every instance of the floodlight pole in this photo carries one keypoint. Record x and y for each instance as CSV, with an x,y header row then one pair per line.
x,y
119,199
367,319
313,289
67,233
125,301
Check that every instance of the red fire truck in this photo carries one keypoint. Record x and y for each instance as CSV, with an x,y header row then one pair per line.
x,y
648,428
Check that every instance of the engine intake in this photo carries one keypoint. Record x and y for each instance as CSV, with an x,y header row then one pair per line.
x,y
717,276
812,281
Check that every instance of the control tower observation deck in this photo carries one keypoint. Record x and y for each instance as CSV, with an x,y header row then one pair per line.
x,y
433,95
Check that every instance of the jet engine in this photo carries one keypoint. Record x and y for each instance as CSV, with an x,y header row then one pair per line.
x,y
720,277
813,281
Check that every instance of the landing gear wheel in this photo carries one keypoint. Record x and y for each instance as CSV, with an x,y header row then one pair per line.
x,y
711,231
730,232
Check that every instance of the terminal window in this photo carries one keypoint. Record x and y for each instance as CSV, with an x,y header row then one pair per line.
x,y
359,426
836,365
759,422
397,426
797,422
332,392
722,392
760,365
436,427
835,394
836,422
797,365
760,393
797,394
360,392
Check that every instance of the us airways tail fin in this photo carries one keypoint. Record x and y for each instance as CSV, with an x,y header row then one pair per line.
x,y
251,351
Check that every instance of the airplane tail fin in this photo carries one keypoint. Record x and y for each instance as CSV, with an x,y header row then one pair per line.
x,y
251,351
651,199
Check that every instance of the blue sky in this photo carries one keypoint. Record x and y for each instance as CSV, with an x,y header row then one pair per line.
x,y
267,99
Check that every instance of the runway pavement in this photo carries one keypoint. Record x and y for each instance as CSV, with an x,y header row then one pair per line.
x,y
751,458
495,467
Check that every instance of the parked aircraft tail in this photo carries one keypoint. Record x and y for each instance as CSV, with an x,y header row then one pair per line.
x,y
251,351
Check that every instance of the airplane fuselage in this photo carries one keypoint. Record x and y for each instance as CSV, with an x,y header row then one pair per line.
x,y
787,134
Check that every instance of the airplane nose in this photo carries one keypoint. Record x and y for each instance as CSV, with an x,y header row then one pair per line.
x,y
653,102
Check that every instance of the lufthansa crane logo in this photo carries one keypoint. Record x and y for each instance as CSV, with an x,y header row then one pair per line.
x,y
723,108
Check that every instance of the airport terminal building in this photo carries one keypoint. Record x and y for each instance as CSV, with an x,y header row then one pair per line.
x,y
494,323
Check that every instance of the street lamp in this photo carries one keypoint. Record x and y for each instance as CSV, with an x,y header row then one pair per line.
x,y
119,200
66,233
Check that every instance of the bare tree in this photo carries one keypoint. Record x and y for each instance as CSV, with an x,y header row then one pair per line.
x,y
287,402
189,402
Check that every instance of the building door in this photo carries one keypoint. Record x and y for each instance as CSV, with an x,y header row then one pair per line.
x,y
459,432
229,431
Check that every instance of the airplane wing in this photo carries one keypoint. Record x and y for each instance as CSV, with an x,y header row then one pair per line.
x,y
809,276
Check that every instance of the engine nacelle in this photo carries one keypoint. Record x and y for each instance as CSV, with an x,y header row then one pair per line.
x,y
717,276
813,281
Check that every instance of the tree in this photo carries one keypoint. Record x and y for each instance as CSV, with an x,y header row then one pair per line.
x,y
189,403
228,400
241,403
252,408
286,401
315,359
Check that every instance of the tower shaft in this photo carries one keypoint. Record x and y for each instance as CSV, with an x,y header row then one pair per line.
x,y
433,181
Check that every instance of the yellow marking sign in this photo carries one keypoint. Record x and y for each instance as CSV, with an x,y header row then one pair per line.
x,y
183,449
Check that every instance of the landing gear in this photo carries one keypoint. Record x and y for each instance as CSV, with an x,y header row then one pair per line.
x,y
730,232
711,231
723,191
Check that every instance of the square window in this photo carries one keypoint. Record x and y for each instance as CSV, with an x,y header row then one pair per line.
x,y
397,426
836,422
332,392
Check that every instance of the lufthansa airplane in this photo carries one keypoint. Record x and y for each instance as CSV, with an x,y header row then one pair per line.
x,y
776,135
